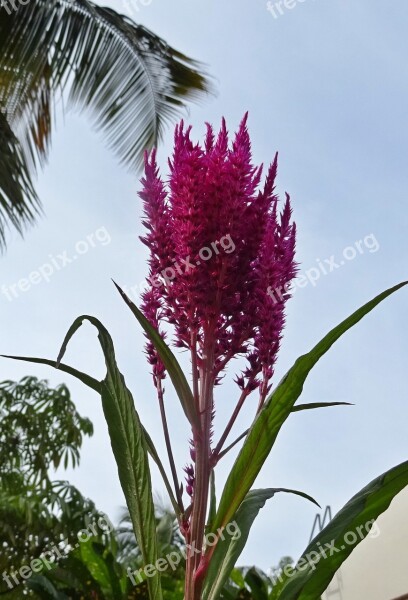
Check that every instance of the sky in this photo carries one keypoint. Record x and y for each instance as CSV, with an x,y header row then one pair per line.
x,y
325,84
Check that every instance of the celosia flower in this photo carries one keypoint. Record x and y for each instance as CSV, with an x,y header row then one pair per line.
x,y
218,251
221,261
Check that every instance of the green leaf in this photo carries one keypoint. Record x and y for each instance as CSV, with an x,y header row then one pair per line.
x,y
279,582
298,408
128,443
257,583
86,379
237,577
96,565
94,384
314,405
330,548
153,453
228,550
44,588
99,564
213,501
267,425
73,573
130,450
169,360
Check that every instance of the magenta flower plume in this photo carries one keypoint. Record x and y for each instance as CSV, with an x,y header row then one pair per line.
x,y
221,256
220,267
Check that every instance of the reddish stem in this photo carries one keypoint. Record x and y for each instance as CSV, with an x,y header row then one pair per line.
x,y
168,445
245,393
195,569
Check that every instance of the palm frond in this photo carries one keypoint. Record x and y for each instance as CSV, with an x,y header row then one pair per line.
x,y
18,200
168,534
131,80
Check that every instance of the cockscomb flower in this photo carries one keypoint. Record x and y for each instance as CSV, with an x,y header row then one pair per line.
x,y
221,254
221,262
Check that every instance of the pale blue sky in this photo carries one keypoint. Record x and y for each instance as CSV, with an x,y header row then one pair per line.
x,y
326,84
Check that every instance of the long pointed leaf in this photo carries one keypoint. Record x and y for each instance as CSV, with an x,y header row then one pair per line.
x,y
169,360
44,588
330,548
130,450
298,408
86,379
96,385
229,549
212,511
153,453
313,405
266,427
129,447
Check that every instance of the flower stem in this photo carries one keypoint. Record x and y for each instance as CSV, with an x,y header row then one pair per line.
x,y
195,571
245,393
168,445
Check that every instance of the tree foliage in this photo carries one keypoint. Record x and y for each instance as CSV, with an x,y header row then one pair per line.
x,y
131,81
40,430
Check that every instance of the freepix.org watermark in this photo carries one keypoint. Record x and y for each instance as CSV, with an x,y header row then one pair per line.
x,y
56,552
324,267
280,7
173,559
327,550
12,5
133,7
56,263
186,265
